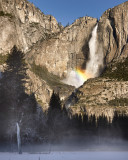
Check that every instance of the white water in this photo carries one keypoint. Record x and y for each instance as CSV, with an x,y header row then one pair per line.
x,y
96,55
93,65
18,139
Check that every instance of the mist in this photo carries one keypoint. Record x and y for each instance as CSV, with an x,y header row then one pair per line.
x,y
0,74
93,66
73,79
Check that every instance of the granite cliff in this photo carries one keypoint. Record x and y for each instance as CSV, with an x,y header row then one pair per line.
x,y
113,32
52,51
66,50
107,95
22,24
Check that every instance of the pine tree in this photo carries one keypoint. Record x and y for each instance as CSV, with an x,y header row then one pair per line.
x,y
54,114
58,120
15,104
12,90
15,72
13,80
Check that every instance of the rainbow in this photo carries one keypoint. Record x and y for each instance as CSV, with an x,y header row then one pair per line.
x,y
82,75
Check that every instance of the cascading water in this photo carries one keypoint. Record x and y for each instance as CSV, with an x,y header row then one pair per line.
x,y
18,138
91,66
96,55
78,77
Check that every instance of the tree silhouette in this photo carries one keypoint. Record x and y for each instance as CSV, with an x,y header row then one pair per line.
x,y
13,80
58,120
15,104
54,110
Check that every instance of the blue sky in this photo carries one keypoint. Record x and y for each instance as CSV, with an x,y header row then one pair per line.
x,y
66,11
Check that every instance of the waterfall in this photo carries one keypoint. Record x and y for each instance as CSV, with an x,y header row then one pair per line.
x,y
18,138
94,65
96,55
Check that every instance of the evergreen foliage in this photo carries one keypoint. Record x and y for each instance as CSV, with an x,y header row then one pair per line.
x,y
15,104
3,59
118,71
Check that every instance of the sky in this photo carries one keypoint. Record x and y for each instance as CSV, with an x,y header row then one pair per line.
x,y
67,11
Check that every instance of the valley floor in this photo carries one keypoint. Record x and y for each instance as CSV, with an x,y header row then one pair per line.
x,y
66,156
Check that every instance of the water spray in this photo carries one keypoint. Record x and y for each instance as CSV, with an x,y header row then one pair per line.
x,y
79,76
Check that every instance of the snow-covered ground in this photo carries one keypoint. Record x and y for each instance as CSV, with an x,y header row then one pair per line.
x,y
66,156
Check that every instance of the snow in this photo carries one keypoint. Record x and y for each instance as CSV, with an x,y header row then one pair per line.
x,y
66,156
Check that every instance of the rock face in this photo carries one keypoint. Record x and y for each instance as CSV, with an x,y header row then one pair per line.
x,y
60,53
52,51
45,43
113,32
22,24
107,95
43,88
100,97
65,51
